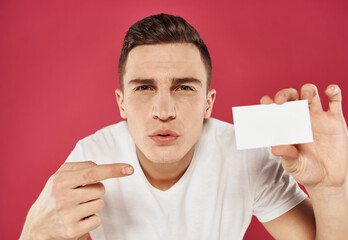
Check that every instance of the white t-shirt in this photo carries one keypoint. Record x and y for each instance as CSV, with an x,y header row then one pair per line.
x,y
214,199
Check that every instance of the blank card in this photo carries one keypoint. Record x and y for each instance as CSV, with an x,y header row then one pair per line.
x,y
272,124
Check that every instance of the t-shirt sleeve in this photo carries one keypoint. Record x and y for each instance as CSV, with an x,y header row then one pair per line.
x,y
77,154
275,190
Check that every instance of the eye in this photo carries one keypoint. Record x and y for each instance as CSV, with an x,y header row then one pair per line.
x,y
185,88
143,88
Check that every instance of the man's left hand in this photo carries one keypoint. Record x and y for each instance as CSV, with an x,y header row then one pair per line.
x,y
322,164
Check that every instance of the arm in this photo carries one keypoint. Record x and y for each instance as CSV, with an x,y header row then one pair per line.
x,y
321,167
331,213
298,223
67,206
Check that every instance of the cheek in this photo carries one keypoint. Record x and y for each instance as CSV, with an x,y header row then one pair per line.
x,y
136,107
191,108
191,115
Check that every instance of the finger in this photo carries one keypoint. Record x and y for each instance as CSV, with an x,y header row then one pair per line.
x,y
100,172
284,95
266,100
289,155
88,192
285,151
310,92
71,166
335,98
87,209
88,224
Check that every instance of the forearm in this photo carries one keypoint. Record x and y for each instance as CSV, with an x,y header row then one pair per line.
x,y
331,213
29,234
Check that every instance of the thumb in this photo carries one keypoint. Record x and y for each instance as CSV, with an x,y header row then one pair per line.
x,y
289,155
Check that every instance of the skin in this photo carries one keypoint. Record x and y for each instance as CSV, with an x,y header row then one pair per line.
x,y
165,87
161,99
68,203
321,166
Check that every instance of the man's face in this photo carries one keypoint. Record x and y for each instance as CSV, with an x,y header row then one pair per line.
x,y
165,99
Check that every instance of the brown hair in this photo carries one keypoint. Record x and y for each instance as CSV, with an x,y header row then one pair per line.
x,y
162,28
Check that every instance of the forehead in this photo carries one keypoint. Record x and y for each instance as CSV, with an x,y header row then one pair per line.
x,y
165,61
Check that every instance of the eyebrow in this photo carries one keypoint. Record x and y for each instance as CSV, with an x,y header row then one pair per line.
x,y
186,80
175,81
141,81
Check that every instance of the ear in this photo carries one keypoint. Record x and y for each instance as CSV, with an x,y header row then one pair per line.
x,y
210,102
120,102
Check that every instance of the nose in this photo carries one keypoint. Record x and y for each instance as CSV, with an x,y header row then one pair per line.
x,y
164,106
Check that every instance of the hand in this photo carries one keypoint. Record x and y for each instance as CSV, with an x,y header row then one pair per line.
x,y
323,163
67,206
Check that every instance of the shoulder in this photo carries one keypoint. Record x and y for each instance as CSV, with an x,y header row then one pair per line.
x,y
213,123
218,129
107,145
107,135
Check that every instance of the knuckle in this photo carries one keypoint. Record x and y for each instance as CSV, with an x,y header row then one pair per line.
x,y
57,178
70,232
53,178
62,200
64,166
90,176
91,163
66,217
56,181
60,204
67,164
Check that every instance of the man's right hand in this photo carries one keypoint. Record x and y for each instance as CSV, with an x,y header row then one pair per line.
x,y
67,206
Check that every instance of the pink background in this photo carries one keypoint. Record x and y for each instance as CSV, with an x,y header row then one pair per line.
x,y
58,69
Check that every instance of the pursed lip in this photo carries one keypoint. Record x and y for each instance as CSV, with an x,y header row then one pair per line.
x,y
164,136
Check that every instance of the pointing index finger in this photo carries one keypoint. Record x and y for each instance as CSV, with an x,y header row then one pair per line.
x,y
71,166
98,173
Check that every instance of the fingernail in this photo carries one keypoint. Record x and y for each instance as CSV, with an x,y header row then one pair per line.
x,y
127,170
332,89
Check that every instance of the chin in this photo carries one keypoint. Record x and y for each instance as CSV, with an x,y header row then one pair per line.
x,y
164,157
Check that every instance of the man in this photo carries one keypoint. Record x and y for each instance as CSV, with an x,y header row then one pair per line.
x,y
186,180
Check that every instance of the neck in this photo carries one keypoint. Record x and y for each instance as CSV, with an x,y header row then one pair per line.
x,y
164,175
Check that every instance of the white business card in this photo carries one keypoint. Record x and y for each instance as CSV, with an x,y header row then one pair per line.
x,y
273,124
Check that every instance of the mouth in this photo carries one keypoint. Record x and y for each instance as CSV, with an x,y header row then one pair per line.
x,y
164,136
